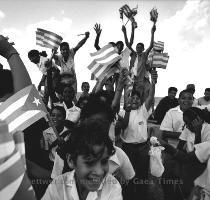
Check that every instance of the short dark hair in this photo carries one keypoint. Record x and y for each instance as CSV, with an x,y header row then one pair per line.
x,y
88,134
64,44
140,43
207,90
172,89
83,83
33,53
6,82
184,91
61,109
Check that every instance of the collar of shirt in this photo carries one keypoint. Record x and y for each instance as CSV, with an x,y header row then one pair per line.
x,y
115,159
177,109
71,184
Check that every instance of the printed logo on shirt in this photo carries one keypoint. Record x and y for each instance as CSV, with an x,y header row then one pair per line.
x,y
141,123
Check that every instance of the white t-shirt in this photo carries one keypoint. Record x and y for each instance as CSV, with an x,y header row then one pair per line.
x,y
173,121
136,131
124,62
120,165
64,187
189,137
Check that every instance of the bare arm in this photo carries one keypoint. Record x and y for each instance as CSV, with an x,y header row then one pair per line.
x,y
21,78
152,40
98,30
128,44
150,98
82,42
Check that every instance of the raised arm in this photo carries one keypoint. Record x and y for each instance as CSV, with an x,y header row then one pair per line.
x,y
82,42
21,78
98,30
152,39
149,100
128,44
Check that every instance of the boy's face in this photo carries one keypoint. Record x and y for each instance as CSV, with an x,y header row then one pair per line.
x,y
207,95
185,101
34,59
135,102
57,118
90,170
139,48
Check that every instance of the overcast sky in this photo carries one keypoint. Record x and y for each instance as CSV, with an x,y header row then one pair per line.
x,y
182,25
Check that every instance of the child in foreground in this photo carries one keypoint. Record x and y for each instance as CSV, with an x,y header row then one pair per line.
x,y
88,152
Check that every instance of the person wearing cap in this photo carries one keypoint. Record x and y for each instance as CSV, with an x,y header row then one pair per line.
x,y
191,89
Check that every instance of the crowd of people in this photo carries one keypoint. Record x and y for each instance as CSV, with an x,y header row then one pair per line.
x,y
94,148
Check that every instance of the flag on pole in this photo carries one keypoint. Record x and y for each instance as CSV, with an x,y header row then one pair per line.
x,y
160,60
14,183
103,60
22,109
48,39
158,46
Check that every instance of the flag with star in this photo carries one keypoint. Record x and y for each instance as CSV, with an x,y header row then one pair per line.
x,y
22,109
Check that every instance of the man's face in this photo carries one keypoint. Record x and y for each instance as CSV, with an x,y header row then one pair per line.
x,y
90,170
185,101
172,94
85,87
120,47
65,51
139,48
34,59
207,95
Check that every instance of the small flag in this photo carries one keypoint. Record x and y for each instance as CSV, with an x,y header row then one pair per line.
x,y
160,60
158,46
103,60
48,39
22,109
14,183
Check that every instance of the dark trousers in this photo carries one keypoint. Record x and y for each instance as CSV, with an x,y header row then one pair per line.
x,y
139,157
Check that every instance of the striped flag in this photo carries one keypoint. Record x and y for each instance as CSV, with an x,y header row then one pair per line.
x,y
48,39
158,46
14,183
103,60
160,60
22,109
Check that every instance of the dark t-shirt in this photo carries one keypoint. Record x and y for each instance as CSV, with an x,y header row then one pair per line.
x,y
164,105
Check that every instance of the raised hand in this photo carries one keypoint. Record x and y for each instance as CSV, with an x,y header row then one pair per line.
x,y
154,75
97,28
87,34
6,48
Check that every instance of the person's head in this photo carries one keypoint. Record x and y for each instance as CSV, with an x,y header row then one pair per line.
x,y
68,93
34,56
172,92
194,113
88,151
85,87
136,101
120,46
109,85
185,99
98,107
207,94
64,49
6,84
82,102
58,116
140,47
191,88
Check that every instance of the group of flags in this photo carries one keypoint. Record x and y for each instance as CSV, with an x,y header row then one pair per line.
x,y
17,113
157,58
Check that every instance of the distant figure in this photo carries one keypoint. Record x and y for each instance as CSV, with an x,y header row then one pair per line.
x,y
166,104
205,100
191,89
85,89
